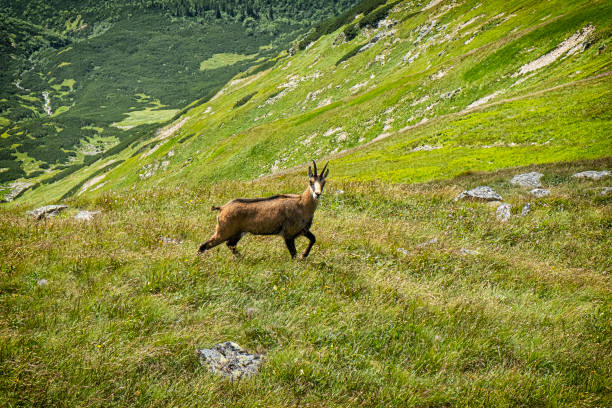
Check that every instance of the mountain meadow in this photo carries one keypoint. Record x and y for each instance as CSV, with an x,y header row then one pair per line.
x,y
462,254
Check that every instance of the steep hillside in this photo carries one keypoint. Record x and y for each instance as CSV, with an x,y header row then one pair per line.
x,y
440,90
410,297
79,76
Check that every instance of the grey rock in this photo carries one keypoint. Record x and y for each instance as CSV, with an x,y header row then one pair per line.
x,y
592,174
503,212
85,215
16,188
47,211
42,282
250,312
540,192
230,360
167,240
403,251
527,180
606,191
432,241
464,251
485,193
526,209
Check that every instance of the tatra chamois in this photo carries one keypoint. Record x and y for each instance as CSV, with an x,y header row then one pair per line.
x,y
287,215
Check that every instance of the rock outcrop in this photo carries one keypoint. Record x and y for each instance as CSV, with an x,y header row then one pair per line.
x,y
48,211
484,193
230,360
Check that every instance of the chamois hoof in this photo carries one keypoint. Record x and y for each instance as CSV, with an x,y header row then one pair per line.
x,y
202,249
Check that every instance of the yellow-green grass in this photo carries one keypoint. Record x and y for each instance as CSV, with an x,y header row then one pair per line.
x,y
359,323
145,116
224,59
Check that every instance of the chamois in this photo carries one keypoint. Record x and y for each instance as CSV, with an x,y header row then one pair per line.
x,y
287,215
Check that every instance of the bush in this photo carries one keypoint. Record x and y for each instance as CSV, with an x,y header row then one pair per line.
x,y
243,100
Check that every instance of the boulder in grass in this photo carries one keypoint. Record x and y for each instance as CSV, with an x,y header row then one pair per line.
x,y
527,180
47,211
503,212
85,215
592,174
229,360
484,193
540,192
606,191
526,209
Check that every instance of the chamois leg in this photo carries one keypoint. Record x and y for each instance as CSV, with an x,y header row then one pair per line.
x,y
232,242
312,240
216,239
290,242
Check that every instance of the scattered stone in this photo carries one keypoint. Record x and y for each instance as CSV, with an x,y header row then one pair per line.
x,y
339,192
432,241
426,148
47,211
526,209
540,192
485,193
503,212
85,215
250,312
606,191
167,240
528,180
403,251
42,282
464,251
592,174
230,360
16,188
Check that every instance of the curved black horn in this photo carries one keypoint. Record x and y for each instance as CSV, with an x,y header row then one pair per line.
x,y
315,168
323,171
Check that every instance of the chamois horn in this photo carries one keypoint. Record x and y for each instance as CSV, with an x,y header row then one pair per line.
x,y
315,168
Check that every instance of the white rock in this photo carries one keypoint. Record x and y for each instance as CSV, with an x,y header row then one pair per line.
x,y
540,192
42,282
464,251
526,209
432,241
485,193
47,211
606,191
85,215
503,212
527,180
592,174
230,360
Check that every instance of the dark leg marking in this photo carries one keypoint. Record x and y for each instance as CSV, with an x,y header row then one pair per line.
x,y
232,242
211,243
312,240
290,242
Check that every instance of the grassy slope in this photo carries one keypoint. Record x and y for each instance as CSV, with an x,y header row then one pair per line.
x,y
524,323
220,140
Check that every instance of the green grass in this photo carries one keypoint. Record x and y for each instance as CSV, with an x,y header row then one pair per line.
x,y
149,115
224,59
525,323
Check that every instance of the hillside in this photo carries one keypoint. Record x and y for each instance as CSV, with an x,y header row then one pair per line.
x,y
411,297
79,76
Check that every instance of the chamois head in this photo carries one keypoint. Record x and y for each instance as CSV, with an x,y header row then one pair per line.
x,y
317,181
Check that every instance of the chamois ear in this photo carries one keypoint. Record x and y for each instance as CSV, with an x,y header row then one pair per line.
x,y
309,172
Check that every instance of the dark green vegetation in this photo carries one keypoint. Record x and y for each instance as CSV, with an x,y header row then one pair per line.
x,y
433,98
75,84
